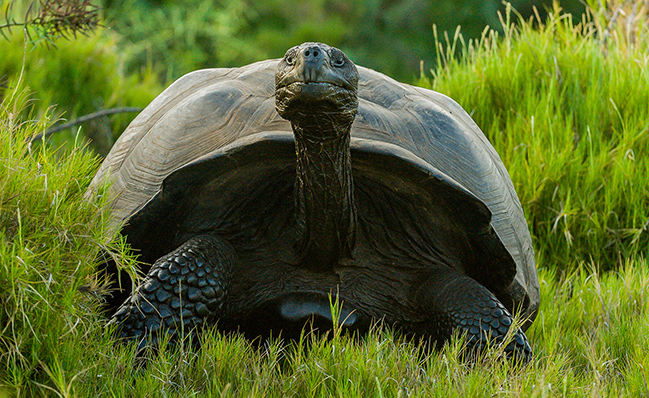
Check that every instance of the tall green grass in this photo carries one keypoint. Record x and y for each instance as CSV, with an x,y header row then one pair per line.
x,y
565,104
49,241
590,337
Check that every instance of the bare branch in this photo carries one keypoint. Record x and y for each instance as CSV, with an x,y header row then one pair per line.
x,y
82,119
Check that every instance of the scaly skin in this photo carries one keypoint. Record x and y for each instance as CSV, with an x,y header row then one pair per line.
x,y
454,301
182,291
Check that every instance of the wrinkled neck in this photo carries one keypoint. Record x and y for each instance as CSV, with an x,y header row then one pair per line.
x,y
324,198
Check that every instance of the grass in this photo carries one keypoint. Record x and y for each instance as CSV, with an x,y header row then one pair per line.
x,y
567,111
49,240
550,97
590,340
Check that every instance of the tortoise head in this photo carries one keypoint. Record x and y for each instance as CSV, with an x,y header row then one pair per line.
x,y
315,79
316,89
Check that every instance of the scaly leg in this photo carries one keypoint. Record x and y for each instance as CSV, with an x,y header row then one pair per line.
x,y
182,291
453,301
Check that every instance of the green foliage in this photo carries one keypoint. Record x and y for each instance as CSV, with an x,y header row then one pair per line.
x,y
179,37
567,111
591,327
51,18
79,77
390,36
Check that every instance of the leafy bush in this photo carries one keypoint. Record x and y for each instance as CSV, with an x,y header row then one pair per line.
x,y
175,38
48,19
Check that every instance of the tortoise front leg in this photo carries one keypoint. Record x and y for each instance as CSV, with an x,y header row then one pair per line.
x,y
182,291
452,301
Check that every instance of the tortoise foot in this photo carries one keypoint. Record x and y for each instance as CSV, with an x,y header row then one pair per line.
x,y
182,291
488,322
457,303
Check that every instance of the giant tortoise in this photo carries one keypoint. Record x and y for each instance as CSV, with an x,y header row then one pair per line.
x,y
254,194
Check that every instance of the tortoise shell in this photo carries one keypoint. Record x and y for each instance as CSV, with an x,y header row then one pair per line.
x,y
218,127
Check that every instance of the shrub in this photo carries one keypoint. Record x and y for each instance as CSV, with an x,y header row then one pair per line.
x,y
175,38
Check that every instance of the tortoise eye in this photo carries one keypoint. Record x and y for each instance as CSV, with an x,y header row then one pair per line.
x,y
290,59
337,59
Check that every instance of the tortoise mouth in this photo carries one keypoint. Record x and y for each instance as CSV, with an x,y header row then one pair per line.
x,y
296,81
315,91
312,98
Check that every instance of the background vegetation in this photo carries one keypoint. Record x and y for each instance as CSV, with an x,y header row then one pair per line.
x,y
562,99
389,36
143,45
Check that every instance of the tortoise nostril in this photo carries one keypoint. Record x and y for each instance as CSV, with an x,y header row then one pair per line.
x,y
312,53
